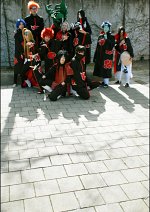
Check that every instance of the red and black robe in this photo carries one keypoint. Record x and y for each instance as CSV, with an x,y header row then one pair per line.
x,y
103,56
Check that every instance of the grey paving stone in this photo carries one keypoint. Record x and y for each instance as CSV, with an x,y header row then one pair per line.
x,y
115,164
54,172
145,158
109,208
21,191
70,140
4,194
79,157
133,151
91,209
114,178
47,187
64,202
135,190
10,178
96,167
32,175
92,181
29,153
145,170
17,145
116,153
9,155
38,204
60,159
133,162
40,162
4,167
75,169
47,151
17,165
88,198
98,155
134,175
70,184
83,147
134,205
146,184
113,194
66,149
13,206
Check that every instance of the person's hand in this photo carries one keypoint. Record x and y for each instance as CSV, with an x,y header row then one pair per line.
x,y
43,77
82,31
63,83
65,37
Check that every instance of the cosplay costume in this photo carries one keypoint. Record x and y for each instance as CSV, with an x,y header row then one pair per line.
x,y
48,50
58,14
66,44
120,47
79,80
103,56
35,23
19,50
58,78
31,58
86,27
83,39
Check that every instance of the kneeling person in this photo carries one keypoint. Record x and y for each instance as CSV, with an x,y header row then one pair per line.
x,y
80,82
58,77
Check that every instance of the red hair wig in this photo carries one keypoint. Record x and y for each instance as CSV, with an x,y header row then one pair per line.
x,y
33,4
47,32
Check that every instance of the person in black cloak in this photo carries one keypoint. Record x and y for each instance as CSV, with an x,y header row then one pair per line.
x,y
103,55
19,49
79,81
35,23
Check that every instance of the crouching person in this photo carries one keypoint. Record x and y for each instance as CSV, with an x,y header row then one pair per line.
x,y
57,79
80,83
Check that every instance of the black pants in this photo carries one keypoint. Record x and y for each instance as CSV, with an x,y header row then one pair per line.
x,y
83,91
59,90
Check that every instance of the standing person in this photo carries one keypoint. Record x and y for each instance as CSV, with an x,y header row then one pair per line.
x,y
19,50
32,58
87,28
83,38
80,82
123,44
65,39
35,23
48,48
103,56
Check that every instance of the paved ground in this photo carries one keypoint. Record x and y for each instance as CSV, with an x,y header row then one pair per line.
x,y
75,155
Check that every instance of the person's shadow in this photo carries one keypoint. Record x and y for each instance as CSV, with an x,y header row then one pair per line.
x,y
136,96
117,97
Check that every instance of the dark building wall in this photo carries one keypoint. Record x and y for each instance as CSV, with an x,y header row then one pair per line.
x,y
134,14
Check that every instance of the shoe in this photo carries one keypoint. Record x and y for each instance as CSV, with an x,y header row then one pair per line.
x,y
105,86
48,88
40,92
127,85
14,85
118,82
28,83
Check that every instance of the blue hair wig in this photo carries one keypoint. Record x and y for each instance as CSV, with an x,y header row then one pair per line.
x,y
20,20
106,23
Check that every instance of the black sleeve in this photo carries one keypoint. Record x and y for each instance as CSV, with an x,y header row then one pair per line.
x,y
88,28
129,47
51,73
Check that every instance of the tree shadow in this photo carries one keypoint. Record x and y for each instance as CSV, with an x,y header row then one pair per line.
x,y
136,96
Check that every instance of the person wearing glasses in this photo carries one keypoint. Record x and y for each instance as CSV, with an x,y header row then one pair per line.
x,y
35,23
19,58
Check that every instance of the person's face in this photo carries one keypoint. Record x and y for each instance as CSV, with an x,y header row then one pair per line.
x,y
26,35
121,32
106,28
21,26
62,60
64,27
47,38
33,10
81,52
79,15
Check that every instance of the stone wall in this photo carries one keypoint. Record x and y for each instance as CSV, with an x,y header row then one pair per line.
x,y
135,15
